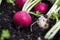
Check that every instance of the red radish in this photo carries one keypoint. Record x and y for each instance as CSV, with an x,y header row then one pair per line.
x,y
20,3
22,18
41,7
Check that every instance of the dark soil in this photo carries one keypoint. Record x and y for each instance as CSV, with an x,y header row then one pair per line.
x,y
17,33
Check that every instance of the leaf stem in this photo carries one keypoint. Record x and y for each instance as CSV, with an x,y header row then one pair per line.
x,y
53,8
36,2
51,31
36,14
54,33
29,4
0,1
25,5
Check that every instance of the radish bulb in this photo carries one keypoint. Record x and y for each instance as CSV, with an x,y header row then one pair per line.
x,y
41,7
20,3
22,18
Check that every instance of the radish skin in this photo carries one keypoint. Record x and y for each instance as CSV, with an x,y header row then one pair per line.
x,y
22,18
20,3
41,7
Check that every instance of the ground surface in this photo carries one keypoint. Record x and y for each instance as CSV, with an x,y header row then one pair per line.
x,y
6,22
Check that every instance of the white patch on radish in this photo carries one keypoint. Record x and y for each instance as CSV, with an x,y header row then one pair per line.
x,y
43,22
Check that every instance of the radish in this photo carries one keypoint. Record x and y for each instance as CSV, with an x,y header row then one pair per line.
x,y
20,3
49,13
42,20
22,17
41,7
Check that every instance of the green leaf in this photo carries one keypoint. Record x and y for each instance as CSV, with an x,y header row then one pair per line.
x,y
11,1
54,16
5,34
2,38
58,3
37,14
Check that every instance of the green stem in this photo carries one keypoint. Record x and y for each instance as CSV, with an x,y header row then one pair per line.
x,y
25,5
51,33
54,33
37,1
30,4
56,14
56,19
11,1
0,1
52,30
36,14
53,8
56,11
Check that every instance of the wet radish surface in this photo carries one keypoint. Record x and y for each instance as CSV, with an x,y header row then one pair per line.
x,y
17,33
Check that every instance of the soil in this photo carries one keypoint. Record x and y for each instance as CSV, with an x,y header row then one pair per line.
x,y
6,22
